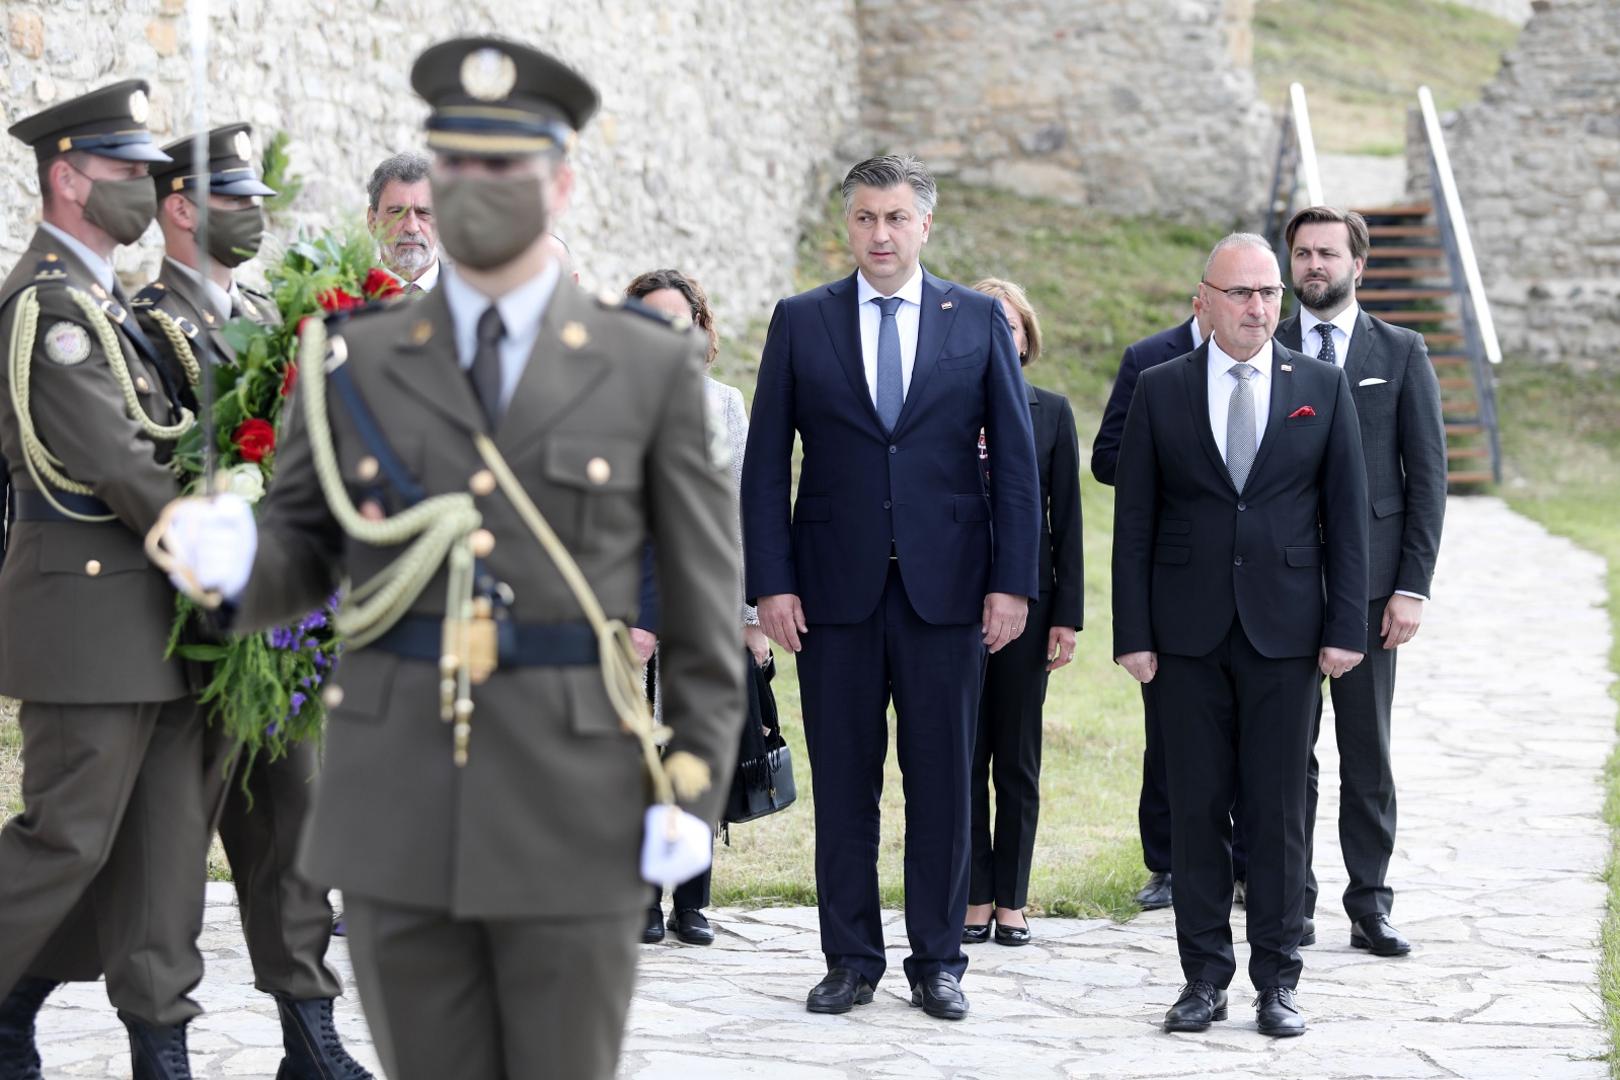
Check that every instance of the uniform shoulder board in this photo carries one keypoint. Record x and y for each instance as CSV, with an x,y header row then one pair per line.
x,y
679,323
148,296
335,319
50,268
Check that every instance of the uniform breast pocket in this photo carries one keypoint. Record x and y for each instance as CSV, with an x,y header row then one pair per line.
x,y
598,481
91,551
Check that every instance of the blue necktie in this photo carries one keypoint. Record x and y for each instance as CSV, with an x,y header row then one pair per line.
x,y
890,387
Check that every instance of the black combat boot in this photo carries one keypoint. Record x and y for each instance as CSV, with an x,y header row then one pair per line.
x,y
157,1051
314,1051
19,1059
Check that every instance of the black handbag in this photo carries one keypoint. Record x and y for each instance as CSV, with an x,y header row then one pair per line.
x,y
763,782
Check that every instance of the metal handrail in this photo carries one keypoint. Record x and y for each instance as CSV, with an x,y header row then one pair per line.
x,y
1296,161
1446,185
1307,144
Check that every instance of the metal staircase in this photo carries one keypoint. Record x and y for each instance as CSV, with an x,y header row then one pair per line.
x,y
1421,273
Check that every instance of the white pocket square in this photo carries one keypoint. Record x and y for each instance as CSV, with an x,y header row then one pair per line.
x,y
1372,382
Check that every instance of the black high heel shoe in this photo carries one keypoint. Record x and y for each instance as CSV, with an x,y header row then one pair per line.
x,y
1012,935
975,935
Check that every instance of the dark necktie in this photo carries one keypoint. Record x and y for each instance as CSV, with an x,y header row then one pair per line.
x,y
486,365
1327,355
890,382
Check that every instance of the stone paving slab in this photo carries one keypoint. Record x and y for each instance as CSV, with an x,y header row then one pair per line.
x,y
1502,727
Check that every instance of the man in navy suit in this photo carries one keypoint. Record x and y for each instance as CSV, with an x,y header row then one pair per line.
x,y
1240,571
1153,806
897,571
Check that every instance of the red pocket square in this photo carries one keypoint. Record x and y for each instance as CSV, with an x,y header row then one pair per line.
x,y
1303,410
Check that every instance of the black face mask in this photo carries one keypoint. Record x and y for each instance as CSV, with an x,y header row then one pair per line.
x,y
487,221
121,208
234,236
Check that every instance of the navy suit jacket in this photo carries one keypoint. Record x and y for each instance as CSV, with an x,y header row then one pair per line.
x,y
1287,557
1150,351
918,492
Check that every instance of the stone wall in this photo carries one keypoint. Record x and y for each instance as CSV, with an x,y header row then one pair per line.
x,y
1131,106
719,123
1537,162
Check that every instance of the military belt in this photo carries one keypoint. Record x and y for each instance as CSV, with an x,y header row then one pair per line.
x,y
569,644
33,506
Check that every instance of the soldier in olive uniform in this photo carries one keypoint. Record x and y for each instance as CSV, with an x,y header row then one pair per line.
x,y
287,921
109,853
493,907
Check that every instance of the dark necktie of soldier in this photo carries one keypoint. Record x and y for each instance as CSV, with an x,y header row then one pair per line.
x,y
486,365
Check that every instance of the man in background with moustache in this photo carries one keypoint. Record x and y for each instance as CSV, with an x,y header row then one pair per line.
x,y
400,216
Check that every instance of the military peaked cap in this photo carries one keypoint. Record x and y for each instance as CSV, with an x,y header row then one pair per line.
x,y
110,122
230,165
496,98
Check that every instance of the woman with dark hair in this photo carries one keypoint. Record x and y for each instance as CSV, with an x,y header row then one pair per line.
x,y
675,294
1008,746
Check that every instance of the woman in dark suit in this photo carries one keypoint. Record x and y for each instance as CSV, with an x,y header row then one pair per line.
x,y
1008,747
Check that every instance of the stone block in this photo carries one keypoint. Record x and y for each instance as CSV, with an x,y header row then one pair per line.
x,y
28,34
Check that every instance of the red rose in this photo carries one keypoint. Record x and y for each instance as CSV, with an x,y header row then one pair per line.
x,y
380,284
255,439
289,380
335,300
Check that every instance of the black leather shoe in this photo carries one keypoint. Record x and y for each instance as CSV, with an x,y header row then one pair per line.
x,y
940,996
1012,935
1277,1013
1240,893
653,932
1309,936
1199,1005
313,1049
157,1052
1373,933
1156,893
19,1058
842,990
691,927
975,935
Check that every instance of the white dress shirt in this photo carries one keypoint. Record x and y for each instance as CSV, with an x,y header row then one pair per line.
x,y
429,279
1344,324
1198,339
521,311
1220,392
906,320
99,268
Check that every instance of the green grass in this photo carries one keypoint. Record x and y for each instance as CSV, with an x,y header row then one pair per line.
x,y
1361,62
1097,285
1561,439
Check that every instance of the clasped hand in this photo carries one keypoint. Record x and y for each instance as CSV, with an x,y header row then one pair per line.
x,y
212,542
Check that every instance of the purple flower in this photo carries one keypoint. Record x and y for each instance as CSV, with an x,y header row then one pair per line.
x,y
297,702
283,638
272,728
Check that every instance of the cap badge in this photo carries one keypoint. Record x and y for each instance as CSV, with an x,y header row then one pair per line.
x,y
243,146
575,336
488,74
138,107
67,344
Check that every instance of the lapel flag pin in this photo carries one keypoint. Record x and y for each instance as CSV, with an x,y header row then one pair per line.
x,y
946,306
1288,367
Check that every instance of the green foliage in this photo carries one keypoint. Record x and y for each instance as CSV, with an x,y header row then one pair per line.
x,y
1361,62
276,169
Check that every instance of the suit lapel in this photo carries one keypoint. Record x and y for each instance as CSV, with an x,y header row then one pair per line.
x,y
1195,378
933,326
1282,391
1288,332
843,321
1360,348
557,373
426,368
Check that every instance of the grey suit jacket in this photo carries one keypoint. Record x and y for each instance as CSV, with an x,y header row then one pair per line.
x,y
1404,440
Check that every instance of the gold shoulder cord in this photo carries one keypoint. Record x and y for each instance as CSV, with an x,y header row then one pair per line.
x,y
441,528
180,343
44,467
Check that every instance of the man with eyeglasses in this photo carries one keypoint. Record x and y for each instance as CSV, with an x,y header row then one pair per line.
x,y
400,216
1240,573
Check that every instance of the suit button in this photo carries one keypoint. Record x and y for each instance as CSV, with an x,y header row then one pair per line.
x,y
1243,506
1238,561
887,504
894,449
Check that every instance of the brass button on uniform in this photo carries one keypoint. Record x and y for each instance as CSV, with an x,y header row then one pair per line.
x,y
142,385
93,567
367,468
482,542
332,696
598,471
482,482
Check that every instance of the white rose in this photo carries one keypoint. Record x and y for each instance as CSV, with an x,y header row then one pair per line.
x,y
246,481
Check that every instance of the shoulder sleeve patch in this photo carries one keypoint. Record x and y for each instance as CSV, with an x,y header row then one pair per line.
x,y
678,323
67,344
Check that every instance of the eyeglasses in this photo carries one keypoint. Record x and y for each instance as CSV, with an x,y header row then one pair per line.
x,y
1240,294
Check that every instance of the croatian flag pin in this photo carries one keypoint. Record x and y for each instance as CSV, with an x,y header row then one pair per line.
x,y
1288,367
945,305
